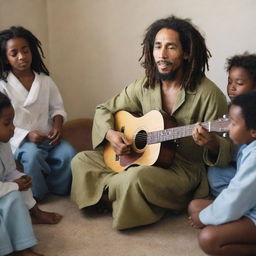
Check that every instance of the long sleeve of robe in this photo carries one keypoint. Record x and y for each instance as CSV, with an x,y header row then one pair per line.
x,y
8,170
8,174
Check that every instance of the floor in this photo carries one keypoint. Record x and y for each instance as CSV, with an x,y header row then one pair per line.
x,y
81,234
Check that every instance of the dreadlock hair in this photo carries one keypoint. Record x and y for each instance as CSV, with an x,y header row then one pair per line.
x,y
37,64
246,61
4,102
193,44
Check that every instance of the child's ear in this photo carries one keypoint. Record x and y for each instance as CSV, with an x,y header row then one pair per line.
x,y
253,133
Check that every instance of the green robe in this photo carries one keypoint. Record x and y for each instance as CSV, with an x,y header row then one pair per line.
x,y
142,194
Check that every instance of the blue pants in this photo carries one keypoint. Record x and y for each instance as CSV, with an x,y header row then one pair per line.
x,y
16,232
220,177
49,167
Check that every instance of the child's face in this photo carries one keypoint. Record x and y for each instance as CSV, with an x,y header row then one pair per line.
x,y
238,131
18,54
6,124
239,81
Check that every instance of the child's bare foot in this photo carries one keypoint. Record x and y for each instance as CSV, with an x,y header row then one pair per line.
x,y
41,217
27,252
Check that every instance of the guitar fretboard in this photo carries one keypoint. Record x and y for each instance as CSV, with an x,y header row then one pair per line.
x,y
174,133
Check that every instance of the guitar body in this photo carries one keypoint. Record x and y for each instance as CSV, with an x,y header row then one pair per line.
x,y
136,129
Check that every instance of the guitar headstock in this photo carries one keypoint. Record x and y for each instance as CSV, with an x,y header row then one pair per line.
x,y
219,125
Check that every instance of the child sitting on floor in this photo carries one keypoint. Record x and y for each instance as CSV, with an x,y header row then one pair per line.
x,y
241,79
39,113
16,199
228,222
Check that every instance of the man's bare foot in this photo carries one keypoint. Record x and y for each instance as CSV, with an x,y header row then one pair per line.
x,y
106,202
41,217
27,252
104,205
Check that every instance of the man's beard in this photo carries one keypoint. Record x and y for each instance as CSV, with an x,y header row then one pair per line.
x,y
166,77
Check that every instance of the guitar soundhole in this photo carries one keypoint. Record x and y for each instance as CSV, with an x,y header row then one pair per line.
x,y
141,139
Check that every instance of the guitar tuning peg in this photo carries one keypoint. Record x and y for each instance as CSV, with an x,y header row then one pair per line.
x,y
225,135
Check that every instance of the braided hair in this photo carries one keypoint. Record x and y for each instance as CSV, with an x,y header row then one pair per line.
x,y
37,64
193,44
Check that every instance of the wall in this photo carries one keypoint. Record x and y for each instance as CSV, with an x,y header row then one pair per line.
x,y
30,14
93,47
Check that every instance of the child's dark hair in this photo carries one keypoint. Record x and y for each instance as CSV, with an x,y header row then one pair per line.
x,y
37,64
246,61
4,102
247,102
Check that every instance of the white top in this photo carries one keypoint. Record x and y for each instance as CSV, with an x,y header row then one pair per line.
x,y
238,199
34,109
8,170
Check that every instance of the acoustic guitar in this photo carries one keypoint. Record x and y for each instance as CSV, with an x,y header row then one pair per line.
x,y
152,137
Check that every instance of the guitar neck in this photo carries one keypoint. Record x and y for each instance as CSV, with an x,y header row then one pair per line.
x,y
174,133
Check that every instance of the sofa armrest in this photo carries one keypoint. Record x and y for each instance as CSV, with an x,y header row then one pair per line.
x,y
78,133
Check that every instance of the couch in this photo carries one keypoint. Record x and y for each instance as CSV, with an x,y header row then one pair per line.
x,y
78,133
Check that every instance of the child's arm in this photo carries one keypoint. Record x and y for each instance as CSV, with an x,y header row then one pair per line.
x,y
36,137
56,132
10,178
6,187
24,182
238,198
206,139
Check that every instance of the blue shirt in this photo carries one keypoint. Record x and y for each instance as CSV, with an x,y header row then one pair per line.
x,y
239,198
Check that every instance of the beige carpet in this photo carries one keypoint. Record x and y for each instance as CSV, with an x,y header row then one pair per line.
x,y
80,234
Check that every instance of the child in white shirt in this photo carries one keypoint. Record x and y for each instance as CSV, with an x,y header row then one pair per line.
x,y
17,204
39,113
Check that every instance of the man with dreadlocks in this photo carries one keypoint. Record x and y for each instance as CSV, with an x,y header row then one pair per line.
x,y
175,57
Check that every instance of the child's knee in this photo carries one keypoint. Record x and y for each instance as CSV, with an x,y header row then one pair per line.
x,y
207,239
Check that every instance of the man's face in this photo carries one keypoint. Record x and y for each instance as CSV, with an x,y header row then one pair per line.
x,y
168,53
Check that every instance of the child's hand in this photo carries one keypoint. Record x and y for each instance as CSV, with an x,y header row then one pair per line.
x,y
55,135
36,137
24,182
56,132
206,139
